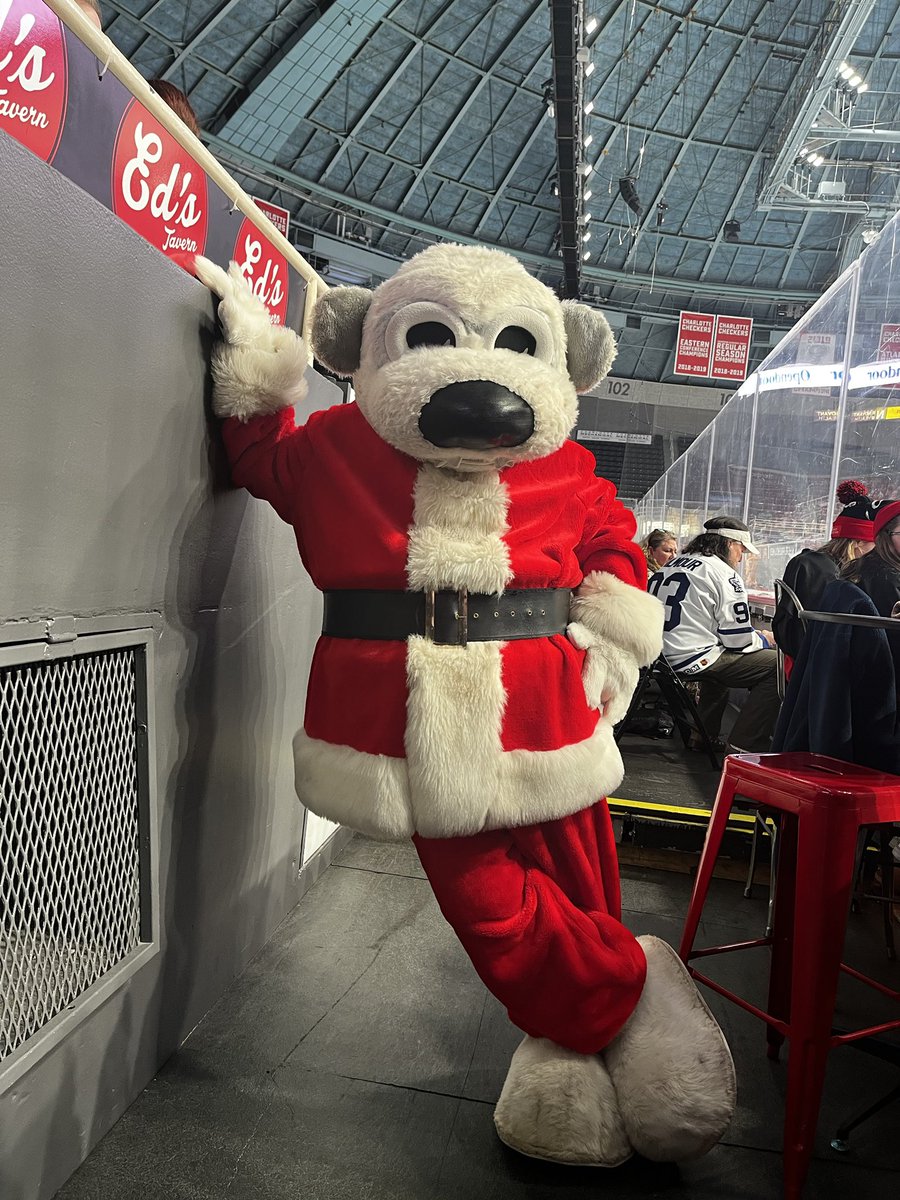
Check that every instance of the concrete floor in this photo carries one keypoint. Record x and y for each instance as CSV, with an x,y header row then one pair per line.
x,y
359,1056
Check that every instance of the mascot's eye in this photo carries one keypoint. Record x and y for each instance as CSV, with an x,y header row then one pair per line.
x,y
514,337
429,333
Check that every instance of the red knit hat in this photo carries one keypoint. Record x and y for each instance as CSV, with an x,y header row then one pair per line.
x,y
885,512
856,518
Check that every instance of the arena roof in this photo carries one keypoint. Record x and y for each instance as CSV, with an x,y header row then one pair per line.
x,y
389,124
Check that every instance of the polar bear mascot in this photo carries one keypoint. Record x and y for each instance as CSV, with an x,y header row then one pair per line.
x,y
485,619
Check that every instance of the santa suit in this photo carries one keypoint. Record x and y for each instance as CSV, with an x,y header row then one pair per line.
x,y
488,754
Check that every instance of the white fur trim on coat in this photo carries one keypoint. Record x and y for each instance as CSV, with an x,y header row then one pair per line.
x,y
671,1066
456,538
259,367
561,1106
620,613
371,793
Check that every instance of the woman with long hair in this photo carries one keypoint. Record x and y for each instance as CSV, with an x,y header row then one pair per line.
x,y
810,571
660,547
878,572
707,633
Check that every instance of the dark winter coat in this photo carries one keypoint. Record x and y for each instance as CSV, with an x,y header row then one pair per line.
x,y
808,574
842,696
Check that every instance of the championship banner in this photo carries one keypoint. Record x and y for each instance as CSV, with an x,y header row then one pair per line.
x,y
61,103
693,350
280,217
731,347
711,347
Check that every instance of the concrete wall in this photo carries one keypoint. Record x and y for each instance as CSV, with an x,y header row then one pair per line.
x,y
115,499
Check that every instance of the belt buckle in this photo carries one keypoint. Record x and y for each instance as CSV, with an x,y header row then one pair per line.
x,y
461,616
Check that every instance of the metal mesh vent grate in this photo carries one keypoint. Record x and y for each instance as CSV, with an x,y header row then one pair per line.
x,y
70,895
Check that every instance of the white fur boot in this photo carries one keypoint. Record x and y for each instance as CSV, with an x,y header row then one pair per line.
x,y
671,1066
559,1105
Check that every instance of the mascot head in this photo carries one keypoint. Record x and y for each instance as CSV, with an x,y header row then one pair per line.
x,y
462,359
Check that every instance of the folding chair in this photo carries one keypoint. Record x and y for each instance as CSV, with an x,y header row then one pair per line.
x,y
681,703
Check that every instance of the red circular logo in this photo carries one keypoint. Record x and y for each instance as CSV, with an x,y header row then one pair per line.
x,y
157,188
33,75
264,268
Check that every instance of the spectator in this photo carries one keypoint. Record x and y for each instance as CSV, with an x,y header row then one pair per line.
x,y
878,572
707,634
659,547
809,572
91,9
178,102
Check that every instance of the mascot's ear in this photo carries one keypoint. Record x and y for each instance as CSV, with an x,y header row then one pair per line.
x,y
590,345
337,328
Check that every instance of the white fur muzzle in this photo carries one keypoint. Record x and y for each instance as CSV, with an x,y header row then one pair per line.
x,y
393,396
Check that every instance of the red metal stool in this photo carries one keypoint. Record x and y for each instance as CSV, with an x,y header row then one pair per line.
x,y
824,804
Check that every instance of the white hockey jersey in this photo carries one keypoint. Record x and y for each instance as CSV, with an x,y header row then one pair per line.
x,y
707,611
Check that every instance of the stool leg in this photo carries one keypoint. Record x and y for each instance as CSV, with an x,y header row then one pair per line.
x,y
820,921
718,822
781,919
886,857
751,870
773,873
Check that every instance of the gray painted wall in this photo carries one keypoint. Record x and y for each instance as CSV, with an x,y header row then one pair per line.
x,y
114,499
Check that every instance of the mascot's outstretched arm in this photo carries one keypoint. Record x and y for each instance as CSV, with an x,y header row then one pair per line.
x,y
486,616
258,376
259,367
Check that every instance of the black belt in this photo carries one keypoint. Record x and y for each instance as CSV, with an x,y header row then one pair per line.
x,y
450,618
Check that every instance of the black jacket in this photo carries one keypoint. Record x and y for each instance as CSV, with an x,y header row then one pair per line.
x,y
880,581
842,696
808,574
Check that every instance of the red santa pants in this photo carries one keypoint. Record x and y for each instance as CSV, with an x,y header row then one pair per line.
x,y
538,911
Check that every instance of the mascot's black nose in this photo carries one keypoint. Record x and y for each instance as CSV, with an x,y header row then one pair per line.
x,y
476,415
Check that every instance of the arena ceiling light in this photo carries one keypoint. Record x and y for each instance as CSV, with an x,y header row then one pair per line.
x,y
852,78
591,25
811,158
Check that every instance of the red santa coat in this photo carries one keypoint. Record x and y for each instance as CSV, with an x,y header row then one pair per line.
x,y
413,737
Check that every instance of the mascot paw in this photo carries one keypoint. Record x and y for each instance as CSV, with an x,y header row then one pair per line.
x,y
561,1106
609,674
671,1066
259,368
244,317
